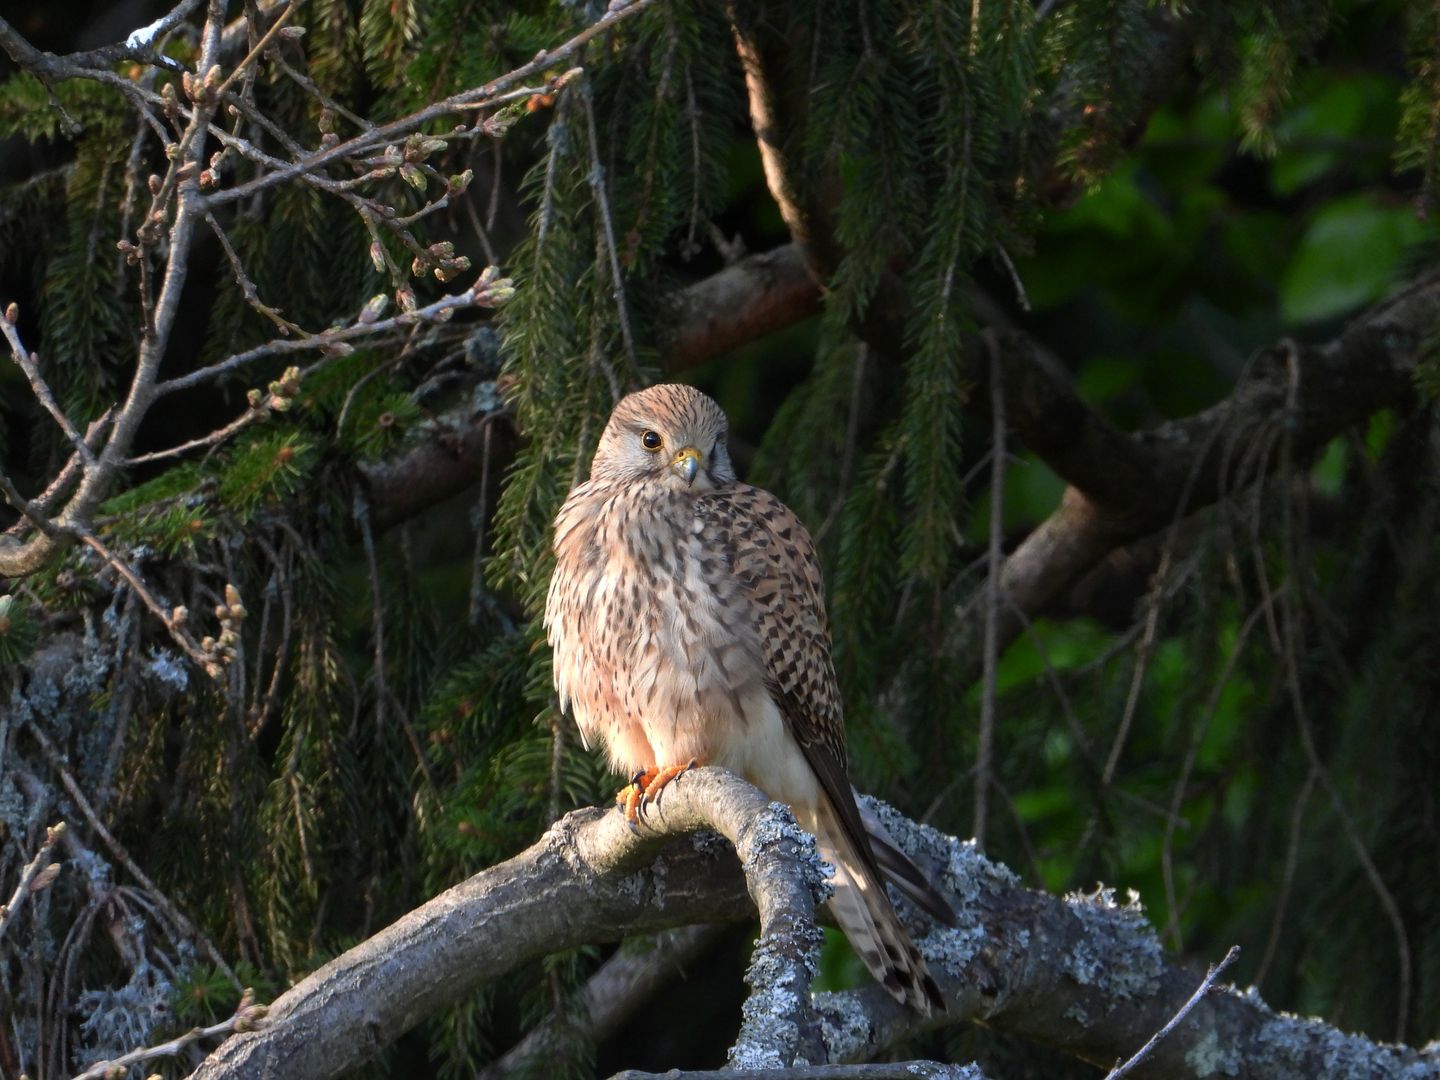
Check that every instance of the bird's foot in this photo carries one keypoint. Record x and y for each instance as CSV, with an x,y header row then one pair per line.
x,y
627,799
645,789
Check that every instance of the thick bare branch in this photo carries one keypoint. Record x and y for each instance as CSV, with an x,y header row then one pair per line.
x,y
585,880
1084,973
755,296
1088,975
1186,465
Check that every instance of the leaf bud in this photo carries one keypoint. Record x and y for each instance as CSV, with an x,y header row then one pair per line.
x,y
413,176
374,309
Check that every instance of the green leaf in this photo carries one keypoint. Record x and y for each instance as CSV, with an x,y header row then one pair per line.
x,y
1349,256
1332,128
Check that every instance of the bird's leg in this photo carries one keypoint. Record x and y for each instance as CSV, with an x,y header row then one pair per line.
x,y
627,799
657,781
645,789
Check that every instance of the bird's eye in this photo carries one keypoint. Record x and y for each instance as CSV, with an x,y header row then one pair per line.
x,y
651,440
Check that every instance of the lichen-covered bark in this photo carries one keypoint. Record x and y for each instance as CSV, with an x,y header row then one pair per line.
x,y
1085,973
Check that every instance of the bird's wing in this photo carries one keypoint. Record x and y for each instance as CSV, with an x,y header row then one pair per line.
x,y
773,562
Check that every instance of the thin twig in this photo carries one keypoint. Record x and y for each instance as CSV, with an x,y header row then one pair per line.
x,y
1290,628
127,644
1143,652
74,464
852,438
122,856
309,86
377,605
602,200
481,233
359,384
30,364
9,911
1197,737
215,438
166,616
985,752
248,287
1021,296
247,1018
280,575
492,209
334,342
1174,1022
697,185
481,515
31,512
1287,879
476,97
254,53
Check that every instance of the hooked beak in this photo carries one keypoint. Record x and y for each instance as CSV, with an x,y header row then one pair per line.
x,y
687,464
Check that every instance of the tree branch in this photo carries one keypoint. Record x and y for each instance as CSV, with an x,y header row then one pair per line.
x,y
746,301
1200,991
1174,470
1082,973
1088,976
585,880
139,46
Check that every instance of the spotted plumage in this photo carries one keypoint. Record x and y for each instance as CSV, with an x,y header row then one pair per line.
x,y
687,619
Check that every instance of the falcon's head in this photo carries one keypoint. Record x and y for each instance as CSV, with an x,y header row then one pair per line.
x,y
669,434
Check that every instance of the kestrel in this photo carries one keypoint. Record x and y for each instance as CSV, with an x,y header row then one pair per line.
x,y
687,619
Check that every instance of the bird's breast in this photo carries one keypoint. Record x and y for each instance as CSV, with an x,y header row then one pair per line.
x,y
649,629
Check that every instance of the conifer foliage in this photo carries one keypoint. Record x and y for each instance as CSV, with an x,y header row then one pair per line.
x,y
314,312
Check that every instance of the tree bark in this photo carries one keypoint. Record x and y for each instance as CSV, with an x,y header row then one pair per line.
x,y
1084,973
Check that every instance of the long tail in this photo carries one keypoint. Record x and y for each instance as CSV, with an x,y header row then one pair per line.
x,y
902,873
864,912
